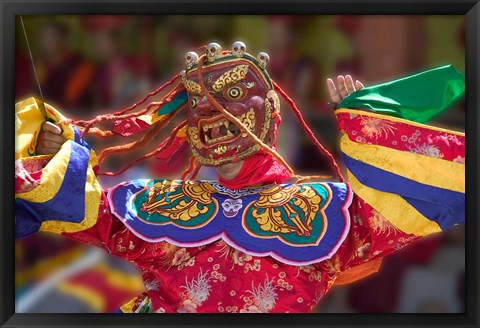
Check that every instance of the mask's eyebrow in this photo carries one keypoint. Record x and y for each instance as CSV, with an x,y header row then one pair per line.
x,y
192,86
233,75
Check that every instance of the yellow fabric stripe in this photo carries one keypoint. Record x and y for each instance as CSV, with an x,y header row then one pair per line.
x,y
424,169
396,119
92,202
152,118
395,209
182,133
56,116
128,307
28,121
52,177
87,295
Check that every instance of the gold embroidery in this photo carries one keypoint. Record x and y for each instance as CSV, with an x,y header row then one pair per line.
x,y
269,217
333,266
215,162
220,150
380,225
272,96
233,75
248,119
268,115
397,120
193,137
192,86
363,251
376,127
198,195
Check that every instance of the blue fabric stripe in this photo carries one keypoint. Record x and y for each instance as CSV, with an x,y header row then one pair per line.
x,y
27,221
68,205
79,140
445,207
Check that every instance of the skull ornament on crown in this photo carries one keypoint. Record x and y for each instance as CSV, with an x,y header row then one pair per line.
x,y
239,83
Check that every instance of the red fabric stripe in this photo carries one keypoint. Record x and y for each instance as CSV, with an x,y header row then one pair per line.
x,y
402,136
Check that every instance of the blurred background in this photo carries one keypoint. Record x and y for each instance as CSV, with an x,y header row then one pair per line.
x,y
88,65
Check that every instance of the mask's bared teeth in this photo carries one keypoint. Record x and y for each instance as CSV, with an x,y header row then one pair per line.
x,y
233,129
222,130
219,131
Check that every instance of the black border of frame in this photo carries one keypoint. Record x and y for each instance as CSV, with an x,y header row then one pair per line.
x,y
10,8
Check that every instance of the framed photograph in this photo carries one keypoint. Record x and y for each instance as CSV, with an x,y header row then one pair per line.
x,y
104,66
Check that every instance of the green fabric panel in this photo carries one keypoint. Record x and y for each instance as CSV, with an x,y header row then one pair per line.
x,y
417,98
174,104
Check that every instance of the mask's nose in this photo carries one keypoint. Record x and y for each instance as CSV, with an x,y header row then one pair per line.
x,y
205,108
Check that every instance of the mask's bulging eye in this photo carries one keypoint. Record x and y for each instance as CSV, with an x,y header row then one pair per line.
x,y
194,102
235,92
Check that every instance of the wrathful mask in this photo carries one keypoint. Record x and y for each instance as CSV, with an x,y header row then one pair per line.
x,y
239,83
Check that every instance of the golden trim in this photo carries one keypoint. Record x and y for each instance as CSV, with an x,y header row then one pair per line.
x,y
193,137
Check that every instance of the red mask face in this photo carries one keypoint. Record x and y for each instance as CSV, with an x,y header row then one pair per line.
x,y
245,91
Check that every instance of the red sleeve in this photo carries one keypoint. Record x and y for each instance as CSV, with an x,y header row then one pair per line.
x,y
371,237
112,235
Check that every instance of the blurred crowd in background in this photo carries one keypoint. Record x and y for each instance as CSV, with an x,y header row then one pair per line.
x,y
87,65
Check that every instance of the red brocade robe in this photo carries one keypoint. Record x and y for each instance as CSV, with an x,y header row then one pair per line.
x,y
407,181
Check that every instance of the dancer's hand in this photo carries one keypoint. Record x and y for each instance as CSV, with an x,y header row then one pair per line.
x,y
50,139
344,87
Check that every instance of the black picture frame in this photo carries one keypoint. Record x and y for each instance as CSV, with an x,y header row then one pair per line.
x,y
10,8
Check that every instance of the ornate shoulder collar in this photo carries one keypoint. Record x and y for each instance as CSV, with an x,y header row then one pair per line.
x,y
295,224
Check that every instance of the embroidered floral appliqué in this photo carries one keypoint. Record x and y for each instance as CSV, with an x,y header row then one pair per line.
x,y
263,297
197,291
